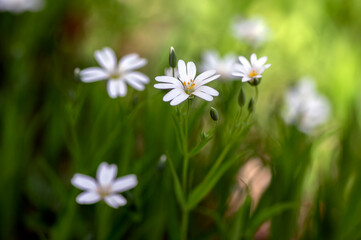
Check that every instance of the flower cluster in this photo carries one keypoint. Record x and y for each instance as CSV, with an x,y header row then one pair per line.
x,y
182,81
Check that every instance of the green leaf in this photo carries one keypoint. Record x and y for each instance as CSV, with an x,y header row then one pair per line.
x,y
177,186
268,213
210,180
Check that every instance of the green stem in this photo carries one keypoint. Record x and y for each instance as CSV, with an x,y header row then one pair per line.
x,y
256,97
185,151
184,230
185,212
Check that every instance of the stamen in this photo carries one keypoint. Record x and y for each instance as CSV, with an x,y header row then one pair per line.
x,y
253,74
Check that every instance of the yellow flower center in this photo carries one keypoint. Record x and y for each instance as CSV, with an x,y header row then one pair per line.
x,y
104,191
253,74
188,86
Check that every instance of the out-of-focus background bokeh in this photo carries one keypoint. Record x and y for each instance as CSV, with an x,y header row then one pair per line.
x,y
53,125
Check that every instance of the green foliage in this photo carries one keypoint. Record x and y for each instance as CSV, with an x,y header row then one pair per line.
x,y
53,126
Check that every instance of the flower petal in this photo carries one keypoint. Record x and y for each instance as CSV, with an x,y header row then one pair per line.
x,y
106,58
93,74
88,197
253,59
106,173
133,82
138,76
208,90
172,94
112,87
182,71
205,75
167,79
205,81
122,88
115,200
203,95
262,61
244,62
192,70
131,61
124,183
165,86
83,182
179,99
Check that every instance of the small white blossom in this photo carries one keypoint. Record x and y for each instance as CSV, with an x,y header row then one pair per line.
x,y
224,66
19,6
105,187
169,72
118,75
253,30
187,84
305,107
250,71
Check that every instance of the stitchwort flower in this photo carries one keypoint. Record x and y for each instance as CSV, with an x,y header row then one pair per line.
x,y
19,6
253,30
118,75
187,84
250,71
305,107
105,187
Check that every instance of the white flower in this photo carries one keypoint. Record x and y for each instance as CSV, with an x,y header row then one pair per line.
x,y
305,107
187,84
118,75
250,71
104,187
169,72
19,6
253,30
224,66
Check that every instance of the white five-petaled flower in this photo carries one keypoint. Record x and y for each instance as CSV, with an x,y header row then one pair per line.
x,y
104,187
187,84
224,66
305,107
253,30
250,71
118,75
19,6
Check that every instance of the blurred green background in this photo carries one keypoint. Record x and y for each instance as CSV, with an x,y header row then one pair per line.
x,y
53,125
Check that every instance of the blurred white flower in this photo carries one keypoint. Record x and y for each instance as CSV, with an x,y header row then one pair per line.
x,y
253,30
105,187
118,75
224,66
250,71
187,84
305,107
169,72
19,6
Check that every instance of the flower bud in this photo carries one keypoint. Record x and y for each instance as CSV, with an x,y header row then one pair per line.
x,y
251,106
203,135
172,58
76,74
214,114
161,162
241,98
